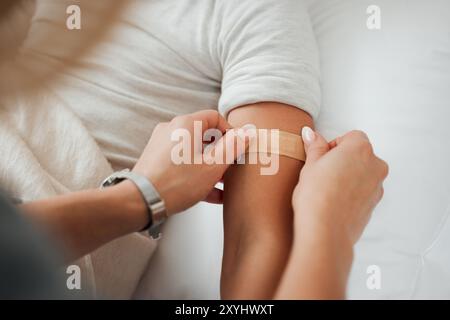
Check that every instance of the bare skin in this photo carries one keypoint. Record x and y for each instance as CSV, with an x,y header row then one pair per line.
x,y
308,258
258,221
339,186
84,221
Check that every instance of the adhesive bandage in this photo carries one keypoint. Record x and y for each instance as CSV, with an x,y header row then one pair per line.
x,y
277,142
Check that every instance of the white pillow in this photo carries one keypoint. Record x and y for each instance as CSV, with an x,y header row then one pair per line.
x,y
394,83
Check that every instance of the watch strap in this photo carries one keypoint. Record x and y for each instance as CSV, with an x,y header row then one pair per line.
x,y
155,204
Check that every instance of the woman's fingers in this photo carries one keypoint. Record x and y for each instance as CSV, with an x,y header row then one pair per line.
x,y
349,136
229,147
211,119
383,168
315,145
215,196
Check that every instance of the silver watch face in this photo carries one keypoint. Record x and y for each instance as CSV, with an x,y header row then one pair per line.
x,y
107,182
115,178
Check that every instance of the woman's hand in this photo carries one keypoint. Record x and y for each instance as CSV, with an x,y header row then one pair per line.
x,y
183,185
84,221
339,186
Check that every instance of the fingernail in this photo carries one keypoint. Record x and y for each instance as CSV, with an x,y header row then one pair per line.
x,y
308,135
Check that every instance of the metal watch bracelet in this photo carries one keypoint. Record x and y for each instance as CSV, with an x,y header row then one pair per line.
x,y
155,205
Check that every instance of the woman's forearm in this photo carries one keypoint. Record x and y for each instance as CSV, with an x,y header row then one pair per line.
x,y
84,221
338,189
318,267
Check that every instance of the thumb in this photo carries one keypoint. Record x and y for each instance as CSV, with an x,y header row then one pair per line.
x,y
230,146
315,145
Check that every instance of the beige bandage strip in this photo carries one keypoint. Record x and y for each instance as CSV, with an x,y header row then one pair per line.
x,y
290,145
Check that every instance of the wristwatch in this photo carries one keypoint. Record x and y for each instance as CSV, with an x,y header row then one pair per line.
x,y
156,208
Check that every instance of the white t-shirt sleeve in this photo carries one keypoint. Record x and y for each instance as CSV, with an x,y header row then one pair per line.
x,y
268,53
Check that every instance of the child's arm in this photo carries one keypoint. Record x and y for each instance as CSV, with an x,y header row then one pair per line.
x,y
270,62
257,210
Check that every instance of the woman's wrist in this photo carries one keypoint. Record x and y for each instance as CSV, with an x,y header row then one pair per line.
x,y
315,223
318,268
134,211
324,239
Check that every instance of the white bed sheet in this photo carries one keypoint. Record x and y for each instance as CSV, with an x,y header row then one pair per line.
x,y
393,83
